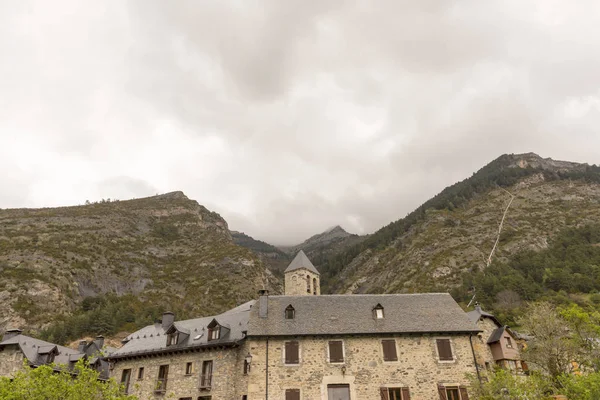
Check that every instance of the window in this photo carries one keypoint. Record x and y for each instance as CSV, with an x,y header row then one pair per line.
x,y
185,398
315,286
292,352
246,367
205,398
292,394
244,397
336,351
453,392
389,350
444,350
290,313
378,312
50,358
125,376
172,338
395,393
509,343
307,283
213,333
189,368
338,392
141,373
206,377
161,382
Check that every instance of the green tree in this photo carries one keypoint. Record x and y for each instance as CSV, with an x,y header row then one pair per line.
x,y
46,383
504,385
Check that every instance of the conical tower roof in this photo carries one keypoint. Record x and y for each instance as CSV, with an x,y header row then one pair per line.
x,y
301,261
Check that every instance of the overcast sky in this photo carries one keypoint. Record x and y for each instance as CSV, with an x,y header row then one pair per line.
x,y
288,117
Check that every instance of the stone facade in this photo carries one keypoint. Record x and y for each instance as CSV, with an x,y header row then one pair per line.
x,y
301,282
364,369
228,380
11,360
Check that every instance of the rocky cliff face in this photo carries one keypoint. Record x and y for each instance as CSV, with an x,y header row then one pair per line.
x,y
454,233
167,249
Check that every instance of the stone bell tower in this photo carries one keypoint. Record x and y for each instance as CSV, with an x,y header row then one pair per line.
x,y
302,278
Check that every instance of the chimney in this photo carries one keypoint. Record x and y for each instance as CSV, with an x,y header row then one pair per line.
x,y
10,333
263,303
477,307
81,346
167,319
99,341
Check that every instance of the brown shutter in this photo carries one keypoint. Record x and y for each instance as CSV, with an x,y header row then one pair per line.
x,y
444,349
291,353
292,394
389,350
463,393
524,366
442,392
405,393
336,351
385,394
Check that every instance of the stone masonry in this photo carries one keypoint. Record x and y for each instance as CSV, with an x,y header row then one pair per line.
x,y
228,380
363,369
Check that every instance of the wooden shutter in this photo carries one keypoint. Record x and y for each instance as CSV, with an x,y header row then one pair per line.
x,y
444,349
463,393
336,351
291,353
405,393
385,394
442,392
389,350
292,394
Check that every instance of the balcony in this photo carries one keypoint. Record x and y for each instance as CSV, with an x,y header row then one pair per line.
x,y
205,382
161,386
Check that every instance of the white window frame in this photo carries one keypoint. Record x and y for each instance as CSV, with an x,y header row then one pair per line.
x,y
343,352
299,355
383,354
437,353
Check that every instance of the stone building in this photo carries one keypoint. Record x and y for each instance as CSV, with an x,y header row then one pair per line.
x,y
303,345
497,345
17,349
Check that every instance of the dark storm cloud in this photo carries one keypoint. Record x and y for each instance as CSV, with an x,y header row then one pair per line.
x,y
288,117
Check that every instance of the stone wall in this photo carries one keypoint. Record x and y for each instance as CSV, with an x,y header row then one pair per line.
x,y
228,380
295,283
363,369
483,351
11,360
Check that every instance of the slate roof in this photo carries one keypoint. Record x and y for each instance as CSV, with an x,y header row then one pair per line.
x,y
301,261
497,334
353,314
478,313
152,338
31,347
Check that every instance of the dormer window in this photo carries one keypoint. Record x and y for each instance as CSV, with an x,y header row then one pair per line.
x,y
213,333
290,313
378,312
217,331
172,338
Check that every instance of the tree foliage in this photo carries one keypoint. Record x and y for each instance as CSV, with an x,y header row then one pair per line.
x,y
46,383
571,264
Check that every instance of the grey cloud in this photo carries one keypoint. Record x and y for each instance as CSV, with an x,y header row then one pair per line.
x,y
289,117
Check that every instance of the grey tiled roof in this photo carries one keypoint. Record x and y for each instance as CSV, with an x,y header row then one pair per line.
x,y
478,313
353,314
301,261
153,339
496,335
31,347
